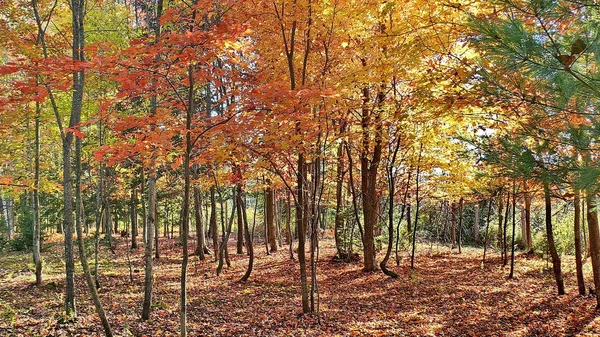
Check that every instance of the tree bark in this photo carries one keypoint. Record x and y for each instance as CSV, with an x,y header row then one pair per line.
x,y
512,246
249,244
240,230
369,169
577,233
594,234
270,218
339,181
528,221
37,256
556,265
200,248
79,219
453,224
460,219
134,219
213,222
476,223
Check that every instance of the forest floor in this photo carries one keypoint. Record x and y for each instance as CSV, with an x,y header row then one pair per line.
x,y
447,294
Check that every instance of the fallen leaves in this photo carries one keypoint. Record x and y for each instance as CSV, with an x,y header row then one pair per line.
x,y
446,295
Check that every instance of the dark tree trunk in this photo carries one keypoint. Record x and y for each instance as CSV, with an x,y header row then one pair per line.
x,y
213,222
301,227
201,247
270,218
460,219
37,257
504,241
577,232
512,246
594,234
528,222
453,224
240,230
551,246
249,244
134,219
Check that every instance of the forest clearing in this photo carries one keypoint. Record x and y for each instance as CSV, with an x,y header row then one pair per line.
x,y
447,294
299,167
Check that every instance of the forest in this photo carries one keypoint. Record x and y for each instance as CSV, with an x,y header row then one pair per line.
x,y
299,168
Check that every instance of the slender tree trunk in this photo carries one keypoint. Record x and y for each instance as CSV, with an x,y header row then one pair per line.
x,y
288,219
79,219
391,194
200,248
523,229
339,181
504,237
301,227
134,219
460,218
185,222
453,224
528,222
476,223
226,233
240,230
500,221
270,218
156,225
213,222
414,233
551,246
37,256
594,234
577,233
586,242
149,218
409,219
249,244
487,228
512,246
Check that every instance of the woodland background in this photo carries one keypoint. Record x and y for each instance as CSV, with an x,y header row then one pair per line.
x,y
250,167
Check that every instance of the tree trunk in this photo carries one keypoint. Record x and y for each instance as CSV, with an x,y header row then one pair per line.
x,y
339,220
460,218
512,246
476,223
528,221
185,221
270,217
134,219
408,218
594,234
37,257
487,229
213,222
240,230
523,229
453,224
577,233
504,241
551,246
249,244
301,227
414,233
79,219
226,233
500,221
288,220
200,248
